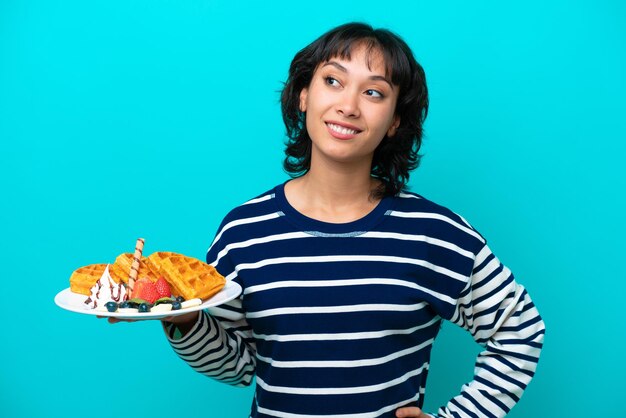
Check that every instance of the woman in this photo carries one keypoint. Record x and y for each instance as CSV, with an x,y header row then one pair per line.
x,y
346,275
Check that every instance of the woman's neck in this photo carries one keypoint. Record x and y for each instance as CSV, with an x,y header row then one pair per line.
x,y
332,196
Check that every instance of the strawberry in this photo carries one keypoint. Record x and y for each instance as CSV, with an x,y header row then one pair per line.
x,y
146,290
163,288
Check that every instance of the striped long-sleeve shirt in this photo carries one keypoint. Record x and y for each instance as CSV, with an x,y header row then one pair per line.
x,y
338,320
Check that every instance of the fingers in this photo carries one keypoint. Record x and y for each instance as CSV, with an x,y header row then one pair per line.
x,y
116,320
113,320
409,412
188,318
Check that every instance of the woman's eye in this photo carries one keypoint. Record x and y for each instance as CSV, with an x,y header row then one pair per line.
x,y
374,93
331,81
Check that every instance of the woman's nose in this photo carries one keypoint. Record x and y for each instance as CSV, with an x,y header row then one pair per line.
x,y
348,105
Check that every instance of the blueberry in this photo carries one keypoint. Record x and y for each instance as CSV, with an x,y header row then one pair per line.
x,y
125,304
144,307
175,305
111,306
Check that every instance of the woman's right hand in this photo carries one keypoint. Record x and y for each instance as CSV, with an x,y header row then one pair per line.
x,y
410,412
182,321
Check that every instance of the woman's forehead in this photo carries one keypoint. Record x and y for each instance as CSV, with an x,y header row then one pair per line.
x,y
370,54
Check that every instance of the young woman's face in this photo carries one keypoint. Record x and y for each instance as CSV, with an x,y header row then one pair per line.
x,y
349,107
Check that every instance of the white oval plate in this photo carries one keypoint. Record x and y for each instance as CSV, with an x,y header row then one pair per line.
x,y
74,302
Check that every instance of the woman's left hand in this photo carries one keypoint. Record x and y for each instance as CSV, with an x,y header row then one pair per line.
x,y
410,412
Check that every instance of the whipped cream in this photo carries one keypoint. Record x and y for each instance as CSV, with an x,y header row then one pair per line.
x,y
106,290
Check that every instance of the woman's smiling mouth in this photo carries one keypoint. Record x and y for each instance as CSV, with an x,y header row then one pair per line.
x,y
341,131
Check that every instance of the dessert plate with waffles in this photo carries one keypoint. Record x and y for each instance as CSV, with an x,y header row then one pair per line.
x,y
164,284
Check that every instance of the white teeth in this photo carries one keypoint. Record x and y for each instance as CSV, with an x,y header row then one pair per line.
x,y
341,129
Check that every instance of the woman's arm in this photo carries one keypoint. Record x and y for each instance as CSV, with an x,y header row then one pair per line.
x,y
219,345
500,315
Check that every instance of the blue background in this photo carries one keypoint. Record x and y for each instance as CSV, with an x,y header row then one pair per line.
x,y
152,118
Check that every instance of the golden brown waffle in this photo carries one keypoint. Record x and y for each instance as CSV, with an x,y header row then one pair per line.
x,y
120,270
188,277
83,278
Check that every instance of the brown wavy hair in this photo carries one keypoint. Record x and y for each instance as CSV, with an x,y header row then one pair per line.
x,y
395,157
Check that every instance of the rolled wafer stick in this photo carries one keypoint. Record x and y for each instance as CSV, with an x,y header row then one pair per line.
x,y
134,268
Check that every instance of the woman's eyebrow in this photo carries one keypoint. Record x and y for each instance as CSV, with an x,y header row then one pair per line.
x,y
345,70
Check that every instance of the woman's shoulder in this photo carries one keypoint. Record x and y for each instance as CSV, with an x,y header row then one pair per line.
x,y
409,201
242,222
413,205
260,205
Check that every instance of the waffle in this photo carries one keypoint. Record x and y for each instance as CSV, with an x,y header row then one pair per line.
x,y
85,277
120,270
188,277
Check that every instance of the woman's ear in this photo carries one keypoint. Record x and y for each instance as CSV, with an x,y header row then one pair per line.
x,y
394,126
303,95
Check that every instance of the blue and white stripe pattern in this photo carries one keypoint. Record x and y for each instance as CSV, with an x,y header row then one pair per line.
x,y
338,320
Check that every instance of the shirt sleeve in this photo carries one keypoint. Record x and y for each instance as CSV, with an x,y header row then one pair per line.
x,y
219,345
502,318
